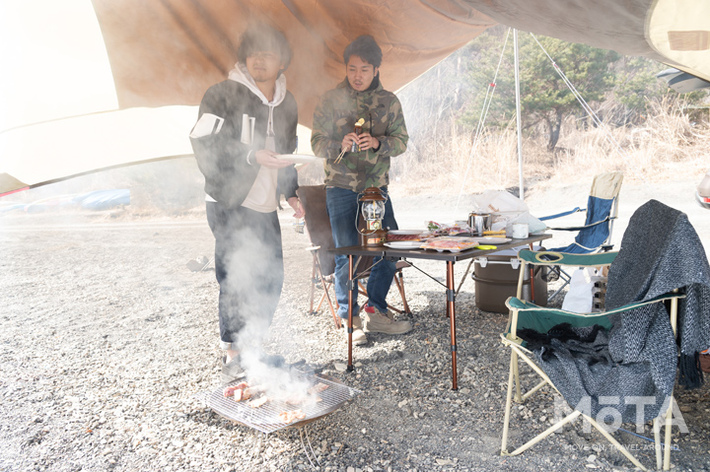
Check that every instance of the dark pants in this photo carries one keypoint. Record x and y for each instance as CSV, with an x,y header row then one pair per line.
x,y
249,269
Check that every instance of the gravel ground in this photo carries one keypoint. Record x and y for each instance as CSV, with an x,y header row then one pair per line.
x,y
107,337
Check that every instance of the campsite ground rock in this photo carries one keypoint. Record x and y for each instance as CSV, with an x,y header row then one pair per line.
x,y
107,336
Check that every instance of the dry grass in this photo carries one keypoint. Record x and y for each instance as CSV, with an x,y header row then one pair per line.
x,y
655,150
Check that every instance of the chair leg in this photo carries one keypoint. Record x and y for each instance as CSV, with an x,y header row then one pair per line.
x,y
326,288
399,280
566,278
363,291
567,419
657,442
508,402
463,279
313,281
669,425
326,294
616,444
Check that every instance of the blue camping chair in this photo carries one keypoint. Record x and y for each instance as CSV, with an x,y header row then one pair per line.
x,y
595,235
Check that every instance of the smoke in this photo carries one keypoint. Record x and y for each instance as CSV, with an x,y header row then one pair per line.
x,y
251,274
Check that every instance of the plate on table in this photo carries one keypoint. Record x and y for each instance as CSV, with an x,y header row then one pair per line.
x,y
487,240
403,244
298,158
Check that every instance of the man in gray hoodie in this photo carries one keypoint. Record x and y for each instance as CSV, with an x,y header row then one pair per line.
x,y
244,123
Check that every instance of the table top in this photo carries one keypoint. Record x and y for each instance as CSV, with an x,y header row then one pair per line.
x,y
435,255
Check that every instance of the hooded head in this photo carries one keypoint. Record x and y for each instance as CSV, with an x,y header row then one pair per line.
x,y
261,41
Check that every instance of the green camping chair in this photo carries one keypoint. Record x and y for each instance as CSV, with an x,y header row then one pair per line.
x,y
526,317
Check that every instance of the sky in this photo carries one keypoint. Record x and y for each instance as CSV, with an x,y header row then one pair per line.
x,y
54,62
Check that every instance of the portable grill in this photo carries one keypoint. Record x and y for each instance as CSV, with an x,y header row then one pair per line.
x,y
266,417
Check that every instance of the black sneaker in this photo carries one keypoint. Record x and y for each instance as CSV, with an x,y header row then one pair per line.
x,y
272,360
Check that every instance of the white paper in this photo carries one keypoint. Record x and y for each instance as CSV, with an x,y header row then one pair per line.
x,y
246,130
208,124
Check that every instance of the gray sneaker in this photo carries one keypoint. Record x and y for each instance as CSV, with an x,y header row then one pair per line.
x,y
383,322
359,337
231,370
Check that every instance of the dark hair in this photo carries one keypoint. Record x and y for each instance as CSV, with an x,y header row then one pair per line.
x,y
366,48
262,37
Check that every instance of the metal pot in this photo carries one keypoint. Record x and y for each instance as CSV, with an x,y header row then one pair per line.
x,y
479,222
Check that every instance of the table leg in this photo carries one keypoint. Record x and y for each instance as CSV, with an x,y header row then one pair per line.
x,y
451,309
352,285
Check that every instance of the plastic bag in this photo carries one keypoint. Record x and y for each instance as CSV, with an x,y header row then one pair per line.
x,y
580,296
506,209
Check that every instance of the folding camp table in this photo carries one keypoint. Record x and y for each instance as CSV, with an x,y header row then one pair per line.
x,y
449,257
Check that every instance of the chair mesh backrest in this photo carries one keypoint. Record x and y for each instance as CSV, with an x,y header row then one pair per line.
x,y
318,224
597,210
601,205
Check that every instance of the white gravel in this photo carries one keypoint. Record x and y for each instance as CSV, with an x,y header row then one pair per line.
x,y
107,336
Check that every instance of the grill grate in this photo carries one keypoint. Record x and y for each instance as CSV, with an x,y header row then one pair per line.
x,y
266,417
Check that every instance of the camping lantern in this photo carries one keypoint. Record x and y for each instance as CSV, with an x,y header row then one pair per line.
x,y
373,212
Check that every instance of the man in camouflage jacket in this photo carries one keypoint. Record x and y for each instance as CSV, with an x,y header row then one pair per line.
x,y
355,160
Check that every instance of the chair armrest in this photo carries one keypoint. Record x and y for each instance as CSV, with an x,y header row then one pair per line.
x,y
560,215
559,258
579,228
541,319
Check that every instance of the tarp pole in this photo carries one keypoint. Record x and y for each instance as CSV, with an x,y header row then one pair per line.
x,y
518,114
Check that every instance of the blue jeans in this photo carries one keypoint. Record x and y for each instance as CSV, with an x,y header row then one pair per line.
x,y
342,205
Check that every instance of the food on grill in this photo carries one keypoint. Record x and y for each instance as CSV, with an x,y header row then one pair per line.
x,y
230,390
289,417
296,399
453,244
267,411
259,402
240,391
319,387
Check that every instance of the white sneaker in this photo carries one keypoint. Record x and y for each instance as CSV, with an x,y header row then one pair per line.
x,y
383,322
359,336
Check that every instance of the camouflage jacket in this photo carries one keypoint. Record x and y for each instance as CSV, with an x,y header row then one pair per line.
x,y
335,117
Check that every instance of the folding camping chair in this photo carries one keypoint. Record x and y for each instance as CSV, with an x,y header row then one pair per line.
x,y
318,226
528,316
650,273
319,232
595,235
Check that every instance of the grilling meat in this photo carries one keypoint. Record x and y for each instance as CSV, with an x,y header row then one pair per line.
x,y
230,390
289,417
259,402
317,388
